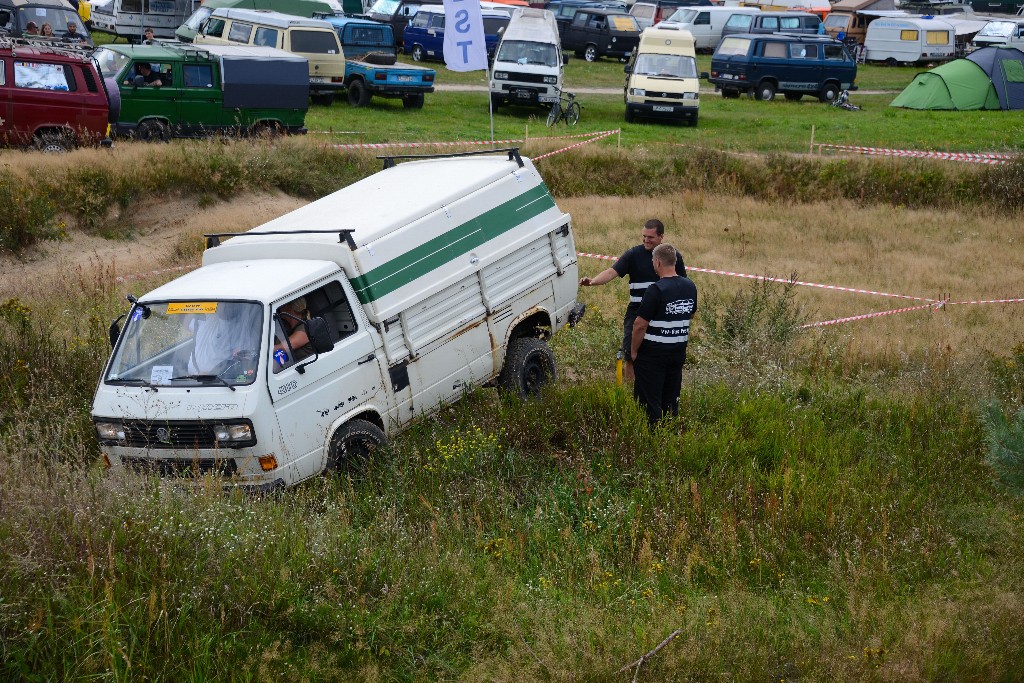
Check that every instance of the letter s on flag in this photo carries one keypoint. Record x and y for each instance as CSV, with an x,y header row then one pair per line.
x,y
464,46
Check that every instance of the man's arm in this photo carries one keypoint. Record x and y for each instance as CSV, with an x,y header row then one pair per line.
x,y
639,330
602,278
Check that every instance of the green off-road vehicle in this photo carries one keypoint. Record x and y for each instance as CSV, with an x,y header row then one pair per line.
x,y
173,90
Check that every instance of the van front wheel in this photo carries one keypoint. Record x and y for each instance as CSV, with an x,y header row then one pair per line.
x,y
829,92
590,53
353,445
529,367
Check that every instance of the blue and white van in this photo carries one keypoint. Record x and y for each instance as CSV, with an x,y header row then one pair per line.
x,y
424,36
762,65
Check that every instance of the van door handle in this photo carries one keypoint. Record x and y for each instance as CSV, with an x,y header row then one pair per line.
x,y
366,360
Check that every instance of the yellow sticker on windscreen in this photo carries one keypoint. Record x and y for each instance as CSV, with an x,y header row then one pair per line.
x,y
192,307
623,23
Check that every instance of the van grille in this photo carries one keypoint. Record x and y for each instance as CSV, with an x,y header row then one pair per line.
x,y
169,434
525,78
182,467
667,95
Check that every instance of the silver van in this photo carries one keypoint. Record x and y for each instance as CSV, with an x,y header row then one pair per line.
x,y
773,22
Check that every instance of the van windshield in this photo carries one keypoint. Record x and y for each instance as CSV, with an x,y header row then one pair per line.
x,y
741,21
997,29
665,66
197,18
387,7
528,52
58,18
683,16
189,343
840,21
110,63
732,47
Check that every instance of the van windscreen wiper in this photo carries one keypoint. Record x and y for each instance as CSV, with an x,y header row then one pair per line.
x,y
206,379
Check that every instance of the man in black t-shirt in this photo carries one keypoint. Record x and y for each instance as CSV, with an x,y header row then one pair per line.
x,y
660,334
636,263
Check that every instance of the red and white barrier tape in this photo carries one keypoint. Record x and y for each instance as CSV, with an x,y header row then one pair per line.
x,y
456,143
764,278
600,136
985,301
974,157
865,316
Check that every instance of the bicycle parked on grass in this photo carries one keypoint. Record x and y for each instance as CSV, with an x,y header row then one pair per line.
x,y
565,109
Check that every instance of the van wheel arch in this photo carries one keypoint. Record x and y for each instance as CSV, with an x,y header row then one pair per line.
x,y
535,323
153,130
54,140
353,442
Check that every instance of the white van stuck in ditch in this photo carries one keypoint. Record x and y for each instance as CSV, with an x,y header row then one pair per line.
x,y
302,344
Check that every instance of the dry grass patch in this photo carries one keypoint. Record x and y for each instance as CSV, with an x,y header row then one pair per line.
x,y
926,253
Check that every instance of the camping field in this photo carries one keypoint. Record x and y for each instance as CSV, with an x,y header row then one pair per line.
x,y
839,502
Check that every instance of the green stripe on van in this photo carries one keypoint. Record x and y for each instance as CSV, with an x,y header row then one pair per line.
x,y
458,241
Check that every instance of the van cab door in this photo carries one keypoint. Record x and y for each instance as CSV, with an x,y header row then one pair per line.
x,y
200,102
701,30
433,41
310,392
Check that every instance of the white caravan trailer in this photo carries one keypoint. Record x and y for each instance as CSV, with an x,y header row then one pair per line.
x,y
129,18
302,344
705,23
909,40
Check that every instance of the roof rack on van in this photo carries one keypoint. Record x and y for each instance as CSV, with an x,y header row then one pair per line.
x,y
513,155
53,47
344,235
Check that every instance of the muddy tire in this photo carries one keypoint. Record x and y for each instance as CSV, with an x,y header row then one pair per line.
x,y
529,367
352,446
153,130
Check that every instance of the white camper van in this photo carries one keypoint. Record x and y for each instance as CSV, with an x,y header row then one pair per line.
x,y
1009,32
908,40
661,76
705,23
129,18
304,343
528,65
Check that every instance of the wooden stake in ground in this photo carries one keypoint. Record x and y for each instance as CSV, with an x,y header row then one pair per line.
x,y
640,662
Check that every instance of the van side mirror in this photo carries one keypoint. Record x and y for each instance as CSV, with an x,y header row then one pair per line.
x,y
628,69
565,58
319,335
115,330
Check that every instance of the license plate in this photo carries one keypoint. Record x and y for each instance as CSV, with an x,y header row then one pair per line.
x,y
317,79
661,108
727,77
403,79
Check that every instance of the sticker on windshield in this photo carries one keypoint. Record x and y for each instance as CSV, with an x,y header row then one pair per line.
x,y
206,307
161,374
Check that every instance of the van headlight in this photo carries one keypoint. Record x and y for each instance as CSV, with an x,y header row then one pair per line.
x,y
550,80
638,92
501,75
691,96
110,432
233,434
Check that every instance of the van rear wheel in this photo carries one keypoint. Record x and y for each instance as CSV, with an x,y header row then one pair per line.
x,y
358,94
54,142
529,367
353,445
765,91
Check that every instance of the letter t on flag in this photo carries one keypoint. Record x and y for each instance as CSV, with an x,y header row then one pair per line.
x,y
464,47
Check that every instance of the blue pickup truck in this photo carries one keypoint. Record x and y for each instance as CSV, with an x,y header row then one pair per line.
x,y
371,68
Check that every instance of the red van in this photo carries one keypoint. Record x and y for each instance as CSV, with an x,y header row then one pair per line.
x,y
51,97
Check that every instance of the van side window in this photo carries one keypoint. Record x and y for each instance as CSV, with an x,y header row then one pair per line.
x,y
773,49
214,28
437,21
197,75
315,42
703,19
266,37
835,52
3,73
240,32
770,23
908,34
420,20
580,19
39,76
801,51
327,302
787,23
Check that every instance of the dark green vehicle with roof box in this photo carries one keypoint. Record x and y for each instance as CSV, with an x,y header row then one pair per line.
x,y
169,90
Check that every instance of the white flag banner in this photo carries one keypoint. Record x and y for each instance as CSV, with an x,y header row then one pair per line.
x,y
464,47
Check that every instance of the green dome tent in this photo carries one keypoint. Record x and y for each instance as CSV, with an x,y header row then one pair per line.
x,y
958,85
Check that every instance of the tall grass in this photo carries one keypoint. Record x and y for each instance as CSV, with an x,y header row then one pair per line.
x,y
814,528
